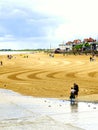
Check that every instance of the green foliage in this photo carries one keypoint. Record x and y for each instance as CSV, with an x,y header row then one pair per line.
x,y
87,45
78,47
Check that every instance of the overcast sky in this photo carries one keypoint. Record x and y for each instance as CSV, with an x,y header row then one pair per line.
x,y
28,24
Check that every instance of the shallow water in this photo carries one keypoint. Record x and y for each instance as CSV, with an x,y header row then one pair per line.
x,y
19,112
13,52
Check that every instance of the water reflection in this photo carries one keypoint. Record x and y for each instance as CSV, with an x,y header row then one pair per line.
x,y
74,107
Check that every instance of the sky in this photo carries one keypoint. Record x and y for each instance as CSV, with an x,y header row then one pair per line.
x,y
34,24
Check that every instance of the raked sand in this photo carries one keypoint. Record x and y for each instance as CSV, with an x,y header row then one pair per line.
x,y
42,76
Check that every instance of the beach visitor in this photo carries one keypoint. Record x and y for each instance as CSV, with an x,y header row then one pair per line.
x,y
90,58
1,63
9,56
72,96
76,88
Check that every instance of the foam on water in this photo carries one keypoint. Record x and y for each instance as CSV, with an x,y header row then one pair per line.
x,y
19,112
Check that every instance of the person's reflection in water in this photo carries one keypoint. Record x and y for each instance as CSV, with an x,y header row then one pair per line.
x,y
74,107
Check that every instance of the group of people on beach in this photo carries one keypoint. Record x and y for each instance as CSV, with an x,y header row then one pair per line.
x,y
51,55
74,93
9,56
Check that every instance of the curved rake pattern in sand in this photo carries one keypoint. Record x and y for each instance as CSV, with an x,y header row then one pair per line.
x,y
15,76
72,74
23,76
53,75
35,75
44,75
93,74
9,71
40,76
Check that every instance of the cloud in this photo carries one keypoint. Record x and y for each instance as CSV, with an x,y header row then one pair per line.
x,y
37,23
24,24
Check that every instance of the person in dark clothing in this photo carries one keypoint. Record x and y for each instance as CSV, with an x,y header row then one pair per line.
x,y
90,58
1,63
76,88
72,96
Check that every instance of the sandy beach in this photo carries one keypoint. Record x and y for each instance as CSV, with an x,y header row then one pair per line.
x,y
39,75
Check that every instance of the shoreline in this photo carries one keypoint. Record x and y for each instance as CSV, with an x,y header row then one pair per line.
x,y
26,112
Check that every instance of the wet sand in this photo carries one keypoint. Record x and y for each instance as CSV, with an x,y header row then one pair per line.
x,y
19,112
42,76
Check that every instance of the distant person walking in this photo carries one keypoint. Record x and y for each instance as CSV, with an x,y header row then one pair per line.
x,y
1,63
90,58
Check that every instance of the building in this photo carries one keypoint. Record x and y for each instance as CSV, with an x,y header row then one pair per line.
x,y
66,47
89,40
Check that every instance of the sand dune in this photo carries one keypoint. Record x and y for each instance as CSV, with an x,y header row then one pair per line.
x,y
42,76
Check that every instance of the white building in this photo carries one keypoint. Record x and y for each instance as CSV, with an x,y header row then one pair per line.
x,y
65,47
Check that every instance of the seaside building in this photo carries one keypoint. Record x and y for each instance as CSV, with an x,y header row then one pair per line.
x,y
77,41
69,45
89,40
92,42
88,44
66,46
